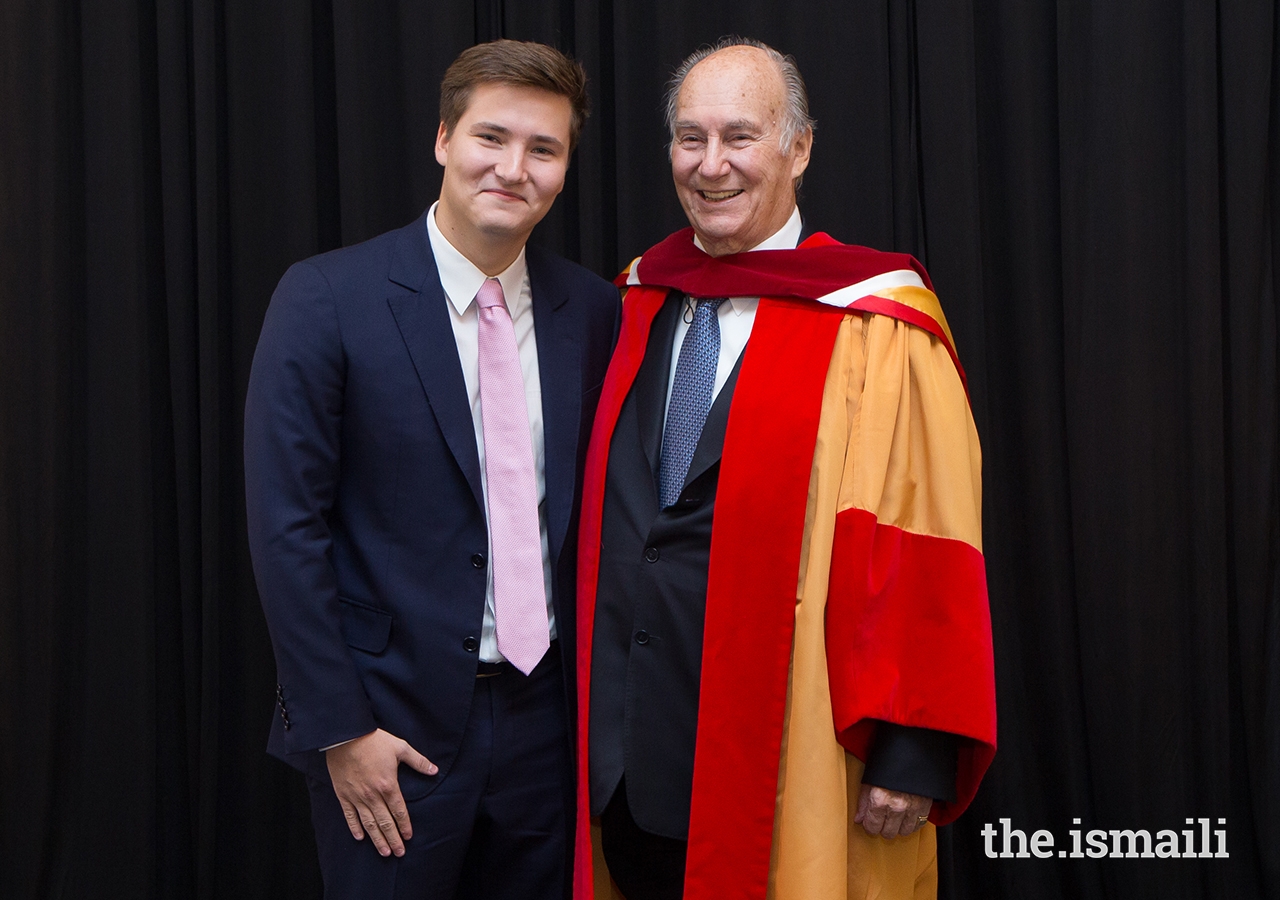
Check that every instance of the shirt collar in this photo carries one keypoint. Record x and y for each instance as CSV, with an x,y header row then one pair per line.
x,y
785,238
461,279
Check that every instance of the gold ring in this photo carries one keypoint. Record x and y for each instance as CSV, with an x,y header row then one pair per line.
x,y
920,820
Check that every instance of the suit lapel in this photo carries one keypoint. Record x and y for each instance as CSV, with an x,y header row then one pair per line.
x,y
711,441
560,374
650,387
420,309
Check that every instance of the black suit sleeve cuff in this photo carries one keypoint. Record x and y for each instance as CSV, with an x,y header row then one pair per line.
x,y
913,760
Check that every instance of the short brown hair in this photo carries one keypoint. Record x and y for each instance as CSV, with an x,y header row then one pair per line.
x,y
518,63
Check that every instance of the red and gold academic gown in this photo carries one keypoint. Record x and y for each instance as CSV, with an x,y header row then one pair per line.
x,y
846,583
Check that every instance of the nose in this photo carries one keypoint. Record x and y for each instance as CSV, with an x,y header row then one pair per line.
x,y
714,162
510,166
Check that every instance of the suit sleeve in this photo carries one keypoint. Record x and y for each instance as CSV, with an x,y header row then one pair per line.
x,y
913,760
293,419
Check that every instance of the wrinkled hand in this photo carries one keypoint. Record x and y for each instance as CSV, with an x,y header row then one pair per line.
x,y
890,813
366,779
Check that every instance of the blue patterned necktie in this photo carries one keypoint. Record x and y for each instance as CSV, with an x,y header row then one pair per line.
x,y
690,399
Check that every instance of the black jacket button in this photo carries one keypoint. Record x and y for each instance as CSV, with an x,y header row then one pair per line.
x,y
651,554
642,637
477,560
470,644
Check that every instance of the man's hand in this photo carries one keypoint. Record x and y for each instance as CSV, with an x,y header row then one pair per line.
x,y
366,779
890,813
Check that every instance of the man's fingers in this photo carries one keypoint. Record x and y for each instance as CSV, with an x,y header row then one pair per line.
x,y
864,803
399,822
353,819
380,818
920,808
911,820
379,842
390,831
896,806
892,822
415,760
873,819
890,814
370,823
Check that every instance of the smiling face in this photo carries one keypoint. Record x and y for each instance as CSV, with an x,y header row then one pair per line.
x,y
736,184
504,163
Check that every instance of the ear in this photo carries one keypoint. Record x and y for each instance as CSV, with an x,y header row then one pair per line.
x,y
442,145
800,153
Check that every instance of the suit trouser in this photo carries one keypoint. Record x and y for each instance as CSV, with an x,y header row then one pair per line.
x,y
494,828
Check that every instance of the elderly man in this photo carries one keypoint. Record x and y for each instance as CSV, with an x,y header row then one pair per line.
x,y
780,575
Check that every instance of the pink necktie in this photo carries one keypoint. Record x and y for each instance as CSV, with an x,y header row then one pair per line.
x,y
519,592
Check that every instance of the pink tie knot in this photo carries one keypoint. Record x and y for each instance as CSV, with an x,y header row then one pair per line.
x,y
490,294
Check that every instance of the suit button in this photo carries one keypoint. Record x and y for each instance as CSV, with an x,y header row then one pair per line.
x,y
651,554
470,644
477,560
642,637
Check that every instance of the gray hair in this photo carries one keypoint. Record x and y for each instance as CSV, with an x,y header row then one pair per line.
x,y
795,119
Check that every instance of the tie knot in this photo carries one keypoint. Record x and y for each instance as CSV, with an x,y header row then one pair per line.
x,y
490,294
701,310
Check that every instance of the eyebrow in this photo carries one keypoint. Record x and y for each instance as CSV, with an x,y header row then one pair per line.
x,y
506,132
736,125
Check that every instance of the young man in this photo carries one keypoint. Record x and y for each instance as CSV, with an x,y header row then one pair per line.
x,y
781,571
416,420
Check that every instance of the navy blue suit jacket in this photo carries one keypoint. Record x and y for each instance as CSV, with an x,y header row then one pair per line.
x,y
366,518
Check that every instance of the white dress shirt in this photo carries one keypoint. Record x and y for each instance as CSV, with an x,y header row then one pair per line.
x,y
736,317
461,281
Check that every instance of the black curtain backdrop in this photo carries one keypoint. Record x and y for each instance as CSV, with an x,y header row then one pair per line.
x,y
1094,186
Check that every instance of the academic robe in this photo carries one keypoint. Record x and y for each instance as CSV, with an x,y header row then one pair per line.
x,y
846,583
